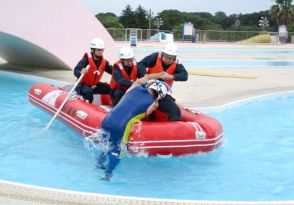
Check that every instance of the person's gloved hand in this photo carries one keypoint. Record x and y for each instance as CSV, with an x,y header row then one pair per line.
x,y
84,71
167,76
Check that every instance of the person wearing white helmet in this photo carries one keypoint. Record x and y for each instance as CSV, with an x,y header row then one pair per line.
x,y
140,100
90,84
124,73
165,61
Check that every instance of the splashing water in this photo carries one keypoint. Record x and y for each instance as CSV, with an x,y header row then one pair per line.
x,y
136,131
100,142
97,142
137,128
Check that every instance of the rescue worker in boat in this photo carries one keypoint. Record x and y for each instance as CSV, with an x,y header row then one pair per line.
x,y
90,84
165,61
124,73
140,100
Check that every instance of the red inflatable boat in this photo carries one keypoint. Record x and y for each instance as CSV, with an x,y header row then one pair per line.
x,y
195,133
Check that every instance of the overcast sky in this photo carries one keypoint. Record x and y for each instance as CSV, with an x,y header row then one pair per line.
x,y
211,6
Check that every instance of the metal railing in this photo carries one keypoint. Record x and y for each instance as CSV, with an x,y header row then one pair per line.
x,y
123,34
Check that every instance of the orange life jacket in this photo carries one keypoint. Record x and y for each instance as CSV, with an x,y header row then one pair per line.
x,y
157,68
133,75
94,74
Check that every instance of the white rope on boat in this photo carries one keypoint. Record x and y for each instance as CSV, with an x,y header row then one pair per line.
x,y
199,133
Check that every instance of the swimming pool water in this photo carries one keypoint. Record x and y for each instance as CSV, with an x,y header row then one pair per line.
x,y
229,51
255,162
261,58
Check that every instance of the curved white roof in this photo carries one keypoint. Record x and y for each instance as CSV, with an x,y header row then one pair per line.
x,y
52,34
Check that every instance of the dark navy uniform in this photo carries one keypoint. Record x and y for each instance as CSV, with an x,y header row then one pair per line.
x,y
132,106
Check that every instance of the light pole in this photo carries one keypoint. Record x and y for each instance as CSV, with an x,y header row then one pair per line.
x,y
263,23
158,22
237,23
149,17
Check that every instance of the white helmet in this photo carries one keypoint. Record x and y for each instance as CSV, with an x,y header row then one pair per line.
x,y
126,53
97,43
170,49
160,88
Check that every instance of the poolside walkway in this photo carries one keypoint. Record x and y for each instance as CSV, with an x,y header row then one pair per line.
x,y
214,86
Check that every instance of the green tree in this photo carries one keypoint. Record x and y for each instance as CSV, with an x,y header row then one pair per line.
x,y
109,20
174,19
221,19
283,12
171,18
141,17
202,23
204,15
127,19
134,19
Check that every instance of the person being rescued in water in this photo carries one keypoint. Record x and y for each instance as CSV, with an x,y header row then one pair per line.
x,y
125,72
140,100
90,84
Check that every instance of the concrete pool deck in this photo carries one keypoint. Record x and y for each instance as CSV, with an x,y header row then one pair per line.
x,y
206,91
209,86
